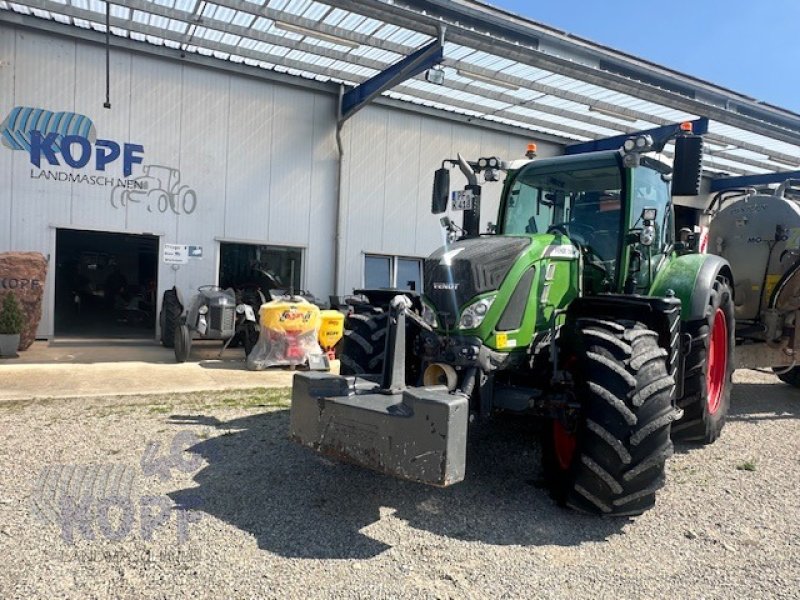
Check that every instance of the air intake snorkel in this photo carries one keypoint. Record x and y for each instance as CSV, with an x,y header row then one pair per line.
x,y
472,216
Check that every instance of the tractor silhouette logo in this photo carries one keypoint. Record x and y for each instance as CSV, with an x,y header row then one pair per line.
x,y
159,189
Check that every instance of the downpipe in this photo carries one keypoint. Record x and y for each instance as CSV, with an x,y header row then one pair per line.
x,y
340,214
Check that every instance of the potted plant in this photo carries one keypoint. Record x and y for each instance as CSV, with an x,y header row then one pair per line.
x,y
11,323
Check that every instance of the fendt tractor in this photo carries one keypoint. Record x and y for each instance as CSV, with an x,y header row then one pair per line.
x,y
579,308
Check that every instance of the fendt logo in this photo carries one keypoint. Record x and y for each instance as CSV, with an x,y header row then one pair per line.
x,y
45,134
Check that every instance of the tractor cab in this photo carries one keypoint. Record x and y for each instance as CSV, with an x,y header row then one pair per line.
x,y
619,218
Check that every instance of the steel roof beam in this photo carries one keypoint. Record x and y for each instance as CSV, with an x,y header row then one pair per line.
x,y
358,97
724,183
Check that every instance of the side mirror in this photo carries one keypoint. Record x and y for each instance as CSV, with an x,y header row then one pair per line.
x,y
688,165
441,190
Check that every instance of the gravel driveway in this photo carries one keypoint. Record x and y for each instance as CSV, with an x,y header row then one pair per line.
x,y
99,499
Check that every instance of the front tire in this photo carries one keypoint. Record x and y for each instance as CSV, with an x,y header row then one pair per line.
x,y
709,370
609,459
183,343
249,337
363,343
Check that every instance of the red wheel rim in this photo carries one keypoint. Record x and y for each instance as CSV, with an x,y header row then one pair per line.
x,y
717,361
564,444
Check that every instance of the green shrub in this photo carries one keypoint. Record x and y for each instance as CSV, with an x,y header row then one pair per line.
x,y
11,318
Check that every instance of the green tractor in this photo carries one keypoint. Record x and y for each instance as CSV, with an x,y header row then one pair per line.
x,y
580,308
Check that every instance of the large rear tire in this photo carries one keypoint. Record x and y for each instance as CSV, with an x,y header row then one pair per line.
x,y
709,370
170,316
610,458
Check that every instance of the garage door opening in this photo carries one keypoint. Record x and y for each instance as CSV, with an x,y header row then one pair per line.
x,y
253,266
105,284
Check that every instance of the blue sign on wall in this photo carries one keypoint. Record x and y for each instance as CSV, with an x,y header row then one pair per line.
x,y
46,134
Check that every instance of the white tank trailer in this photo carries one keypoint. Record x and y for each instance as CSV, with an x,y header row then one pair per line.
x,y
758,233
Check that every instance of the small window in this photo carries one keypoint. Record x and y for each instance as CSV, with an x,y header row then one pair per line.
x,y
409,274
263,267
378,272
395,272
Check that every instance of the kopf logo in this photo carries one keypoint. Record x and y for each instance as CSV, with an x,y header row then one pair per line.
x,y
76,151
46,134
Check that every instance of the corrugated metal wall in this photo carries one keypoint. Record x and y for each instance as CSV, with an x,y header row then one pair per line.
x,y
260,157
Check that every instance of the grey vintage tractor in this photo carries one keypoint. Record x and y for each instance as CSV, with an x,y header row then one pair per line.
x,y
212,314
758,233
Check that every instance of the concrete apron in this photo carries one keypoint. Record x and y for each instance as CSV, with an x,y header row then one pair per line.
x,y
83,368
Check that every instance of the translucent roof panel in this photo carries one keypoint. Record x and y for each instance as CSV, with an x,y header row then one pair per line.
x,y
315,40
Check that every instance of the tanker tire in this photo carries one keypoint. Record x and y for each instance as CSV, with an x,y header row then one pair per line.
x,y
698,423
622,438
171,311
792,376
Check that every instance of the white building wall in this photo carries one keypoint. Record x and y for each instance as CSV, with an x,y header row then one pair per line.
x,y
390,158
261,158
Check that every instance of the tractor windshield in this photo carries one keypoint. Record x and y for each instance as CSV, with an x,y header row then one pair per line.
x,y
578,198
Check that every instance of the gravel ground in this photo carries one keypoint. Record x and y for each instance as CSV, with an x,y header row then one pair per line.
x,y
98,499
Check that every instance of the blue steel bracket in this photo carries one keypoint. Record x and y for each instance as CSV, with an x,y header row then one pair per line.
x,y
420,60
745,181
699,127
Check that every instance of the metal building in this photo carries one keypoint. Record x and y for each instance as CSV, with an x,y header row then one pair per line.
x,y
191,142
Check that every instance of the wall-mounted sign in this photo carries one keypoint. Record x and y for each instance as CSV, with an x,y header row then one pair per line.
x,y
60,143
45,135
176,254
179,254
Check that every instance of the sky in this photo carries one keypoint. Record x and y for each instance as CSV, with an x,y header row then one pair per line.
x,y
748,46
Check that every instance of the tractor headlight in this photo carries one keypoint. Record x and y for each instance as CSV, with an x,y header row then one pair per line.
x,y
475,313
203,309
429,316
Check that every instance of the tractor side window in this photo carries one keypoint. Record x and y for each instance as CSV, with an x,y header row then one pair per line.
x,y
650,191
527,211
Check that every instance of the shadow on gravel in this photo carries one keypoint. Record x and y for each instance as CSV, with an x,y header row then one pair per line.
x,y
764,402
300,505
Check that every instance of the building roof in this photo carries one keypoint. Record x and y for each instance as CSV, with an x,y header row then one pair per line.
x,y
498,67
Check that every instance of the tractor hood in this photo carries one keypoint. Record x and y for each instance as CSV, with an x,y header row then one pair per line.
x,y
458,272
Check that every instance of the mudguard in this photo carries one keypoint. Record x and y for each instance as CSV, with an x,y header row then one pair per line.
x,y
690,277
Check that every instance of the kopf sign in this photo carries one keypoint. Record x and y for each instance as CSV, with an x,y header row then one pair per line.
x,y
77,151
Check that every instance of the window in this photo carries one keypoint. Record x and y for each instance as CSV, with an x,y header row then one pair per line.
x,y
650,191
396,272
527,211
263,267
378,272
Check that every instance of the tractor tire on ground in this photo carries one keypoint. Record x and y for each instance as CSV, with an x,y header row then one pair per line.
x,y
363,343
183,343
790,376
610,461
171,311
709,368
